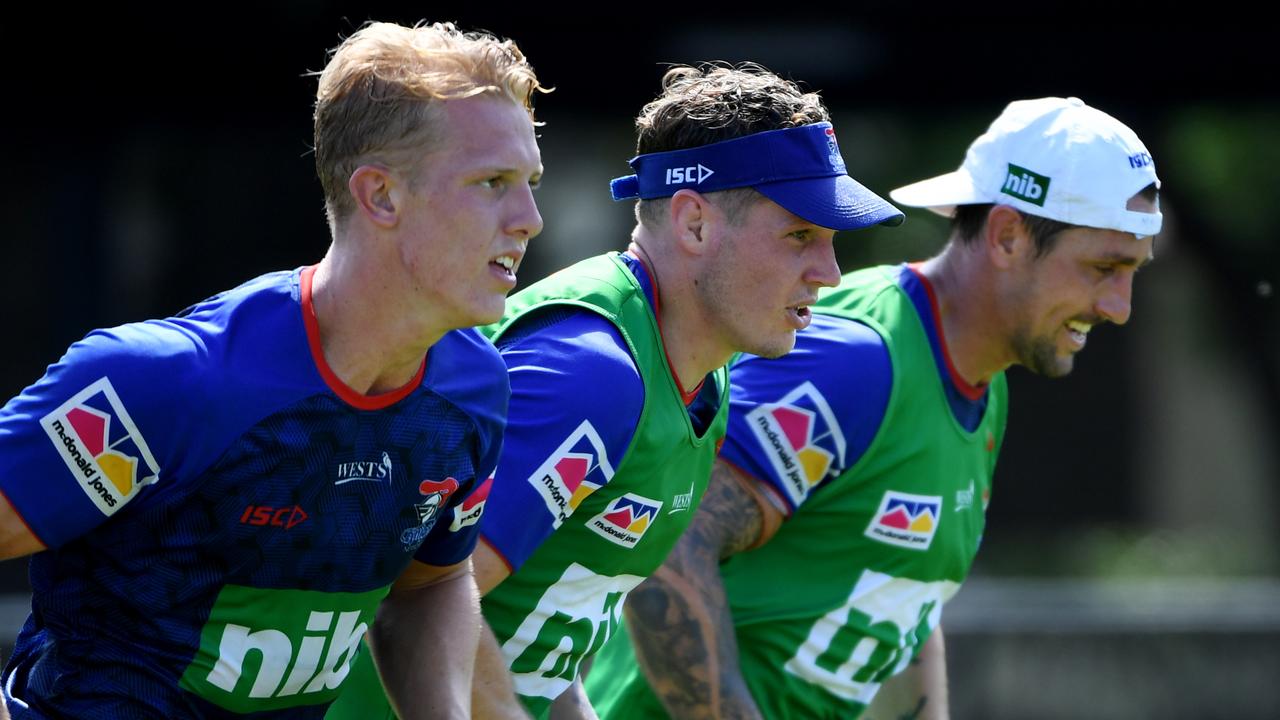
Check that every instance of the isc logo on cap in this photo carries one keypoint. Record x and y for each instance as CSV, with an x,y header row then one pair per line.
x,y
695,174
1025,185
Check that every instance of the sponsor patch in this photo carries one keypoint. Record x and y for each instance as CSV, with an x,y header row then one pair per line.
x,y
682,501
577,468
801,438
626,519
101,446
366,471
281,517
906,520
471,509
1025,185
964,498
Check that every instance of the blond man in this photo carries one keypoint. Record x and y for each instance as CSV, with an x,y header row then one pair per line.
x,y
220,503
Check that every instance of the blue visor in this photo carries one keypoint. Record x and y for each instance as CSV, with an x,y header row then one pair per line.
x,y
798,168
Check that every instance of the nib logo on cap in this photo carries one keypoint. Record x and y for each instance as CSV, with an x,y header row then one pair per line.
x,y
1025,185
906,520
102,447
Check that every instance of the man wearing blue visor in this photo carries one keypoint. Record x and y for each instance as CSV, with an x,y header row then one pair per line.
x,y
617,370
849,500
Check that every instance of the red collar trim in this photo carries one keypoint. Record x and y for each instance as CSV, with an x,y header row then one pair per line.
x,y
691,395
339,388
972,392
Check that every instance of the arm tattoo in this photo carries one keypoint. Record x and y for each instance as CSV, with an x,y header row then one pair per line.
x,y
679,618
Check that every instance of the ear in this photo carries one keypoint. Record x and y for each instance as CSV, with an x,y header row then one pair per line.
x,y
688,215
1005,238
375,190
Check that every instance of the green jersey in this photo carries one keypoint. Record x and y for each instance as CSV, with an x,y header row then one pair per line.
x,y
848,590
608,513
565,601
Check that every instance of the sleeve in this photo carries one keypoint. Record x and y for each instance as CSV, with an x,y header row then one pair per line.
x,y
476,379
576,396
798,420
92,435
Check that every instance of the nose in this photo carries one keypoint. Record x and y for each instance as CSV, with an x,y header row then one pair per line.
x,y
825,271
525,221
1116,304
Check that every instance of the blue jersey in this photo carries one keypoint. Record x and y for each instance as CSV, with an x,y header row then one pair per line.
x,y
825,416
576,397
223,514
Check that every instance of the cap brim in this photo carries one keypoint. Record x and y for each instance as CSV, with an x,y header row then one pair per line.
x,y
940,194
838,202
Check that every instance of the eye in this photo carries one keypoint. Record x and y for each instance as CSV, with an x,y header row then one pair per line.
x,y
803,235
493,183
1104,270
535,183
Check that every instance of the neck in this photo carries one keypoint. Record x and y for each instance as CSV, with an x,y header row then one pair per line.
x,y
369,335
968,313
692,345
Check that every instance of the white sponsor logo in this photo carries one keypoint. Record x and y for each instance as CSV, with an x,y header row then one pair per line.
x,y
276,654
964,498
910,608
573,619
682,501
694,174
366,471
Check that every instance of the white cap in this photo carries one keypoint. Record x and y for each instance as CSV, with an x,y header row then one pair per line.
x,y
1053,157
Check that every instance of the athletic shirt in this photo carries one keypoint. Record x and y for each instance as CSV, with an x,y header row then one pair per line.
x,y
223,515
576,399
886,484
615,514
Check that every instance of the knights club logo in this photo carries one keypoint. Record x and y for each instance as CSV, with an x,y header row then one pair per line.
x,y
801,437
577,468
626,519
435,498
906,520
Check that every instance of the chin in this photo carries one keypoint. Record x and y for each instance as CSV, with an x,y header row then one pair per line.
x,y
773,347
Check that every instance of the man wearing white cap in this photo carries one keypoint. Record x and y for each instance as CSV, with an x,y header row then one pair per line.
x,y
848,502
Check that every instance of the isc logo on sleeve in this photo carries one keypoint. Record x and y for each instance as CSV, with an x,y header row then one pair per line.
x,y
96,438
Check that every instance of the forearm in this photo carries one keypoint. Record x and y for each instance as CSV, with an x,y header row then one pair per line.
x,y
573,704
685,645
493,697
920,691
423,643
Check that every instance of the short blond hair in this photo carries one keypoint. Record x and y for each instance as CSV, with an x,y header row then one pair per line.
x,y
378,95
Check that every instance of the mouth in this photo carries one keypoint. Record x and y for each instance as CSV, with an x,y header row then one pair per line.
x,y
505,267
800,316
1077,332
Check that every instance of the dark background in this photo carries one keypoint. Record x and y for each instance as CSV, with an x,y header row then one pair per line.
x,y
156,156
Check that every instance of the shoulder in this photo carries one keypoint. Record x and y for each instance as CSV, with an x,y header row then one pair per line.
x,y
841,357
569,344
